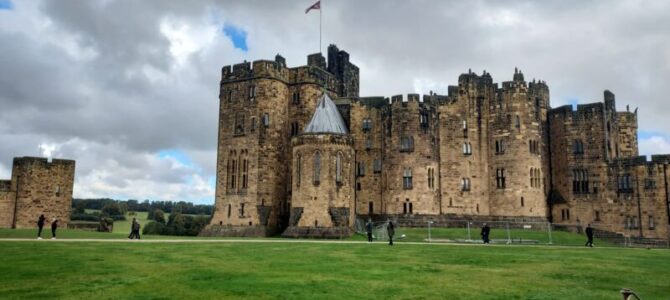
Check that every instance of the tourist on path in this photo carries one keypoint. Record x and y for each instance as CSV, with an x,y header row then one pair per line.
x,y
589,235
368,229
54,226
134,230
40,225
485,233
390,229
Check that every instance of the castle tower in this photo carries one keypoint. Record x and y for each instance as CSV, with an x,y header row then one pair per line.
x,y
38,186
322,202
516,169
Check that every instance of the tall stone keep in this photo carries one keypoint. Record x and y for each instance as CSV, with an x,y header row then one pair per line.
x,y
322,204
38,186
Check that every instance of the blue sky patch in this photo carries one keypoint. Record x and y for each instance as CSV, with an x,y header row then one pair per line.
x,y
178,155
643,134
573,102
6,4
237,35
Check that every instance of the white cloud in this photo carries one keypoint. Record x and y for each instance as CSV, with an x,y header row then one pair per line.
x,y
654,145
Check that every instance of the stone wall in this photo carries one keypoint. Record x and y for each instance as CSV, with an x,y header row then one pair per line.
x,y
42,187
7,201
320,202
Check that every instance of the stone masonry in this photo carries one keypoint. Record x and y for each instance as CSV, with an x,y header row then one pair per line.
x,y
485,150
38,186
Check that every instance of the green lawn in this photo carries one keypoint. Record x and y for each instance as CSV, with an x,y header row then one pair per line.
x,y
45,269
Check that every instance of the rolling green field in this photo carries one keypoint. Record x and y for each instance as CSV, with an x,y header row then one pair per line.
x,y
288,270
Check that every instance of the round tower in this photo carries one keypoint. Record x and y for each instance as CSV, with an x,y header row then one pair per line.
x,y
322,203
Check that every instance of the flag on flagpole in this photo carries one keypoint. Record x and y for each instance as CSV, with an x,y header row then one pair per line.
x,y
316,5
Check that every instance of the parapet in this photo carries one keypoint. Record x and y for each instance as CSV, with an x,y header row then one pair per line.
x,y
258,69
375,102
43,161
630,161
316,75
661,158
583,112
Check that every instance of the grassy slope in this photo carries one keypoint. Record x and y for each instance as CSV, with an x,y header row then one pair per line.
x,y
335,271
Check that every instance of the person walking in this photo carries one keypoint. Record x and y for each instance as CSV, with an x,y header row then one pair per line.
x,y
368,229
40,225
589,235
390,229
136,229
54,226
485,233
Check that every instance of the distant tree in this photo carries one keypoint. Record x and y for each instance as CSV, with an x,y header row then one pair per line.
x,y
80,208
159,216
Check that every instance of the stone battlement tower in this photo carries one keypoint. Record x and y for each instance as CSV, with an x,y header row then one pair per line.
x,y
38,186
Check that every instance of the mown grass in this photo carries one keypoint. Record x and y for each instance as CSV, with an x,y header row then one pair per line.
x,y
284,270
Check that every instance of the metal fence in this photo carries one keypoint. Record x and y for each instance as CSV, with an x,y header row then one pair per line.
x,y
507,232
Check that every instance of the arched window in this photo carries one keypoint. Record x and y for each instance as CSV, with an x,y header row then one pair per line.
x,y
517,123
465,184
317,168
298,170
338,168
467,149
407,179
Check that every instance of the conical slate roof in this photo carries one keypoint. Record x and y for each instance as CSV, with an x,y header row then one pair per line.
x,y
326,118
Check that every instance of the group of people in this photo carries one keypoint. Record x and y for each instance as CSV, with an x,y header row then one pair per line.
x,y
40,224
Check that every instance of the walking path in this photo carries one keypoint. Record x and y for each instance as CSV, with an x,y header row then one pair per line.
x,y
292,241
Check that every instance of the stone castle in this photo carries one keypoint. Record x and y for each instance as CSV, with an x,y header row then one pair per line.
x,y
38,186
302,154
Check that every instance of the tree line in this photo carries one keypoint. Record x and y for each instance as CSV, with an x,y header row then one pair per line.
x,y
124,206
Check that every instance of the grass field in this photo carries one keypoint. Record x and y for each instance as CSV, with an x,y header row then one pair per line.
x,y
285,270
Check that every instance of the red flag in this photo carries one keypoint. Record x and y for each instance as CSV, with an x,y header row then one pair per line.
x,y
316,5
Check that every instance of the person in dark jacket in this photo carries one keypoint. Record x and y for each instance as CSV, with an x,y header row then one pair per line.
x,y
40,225
390,229
368,229
485,233
136,230
54,226
589,235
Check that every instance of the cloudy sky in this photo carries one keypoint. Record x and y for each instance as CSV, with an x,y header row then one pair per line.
x,y
129,88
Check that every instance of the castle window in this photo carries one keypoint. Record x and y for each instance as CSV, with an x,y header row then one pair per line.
x,y
522,204
317,168
500,178
361,168
578,147
597,215
535,178
431,178
478,207
377,165
465,184
252,92
562,214
368,144
467,149
58,191
338,168
253,125
534,146
423,119
296,98
407,179
367,124
230,96
266,120
298,170
517,123
232,171
500,147
295,129
465,129
239,124
229,210
627,223
580,181
625,184
370,207
406,144
245,169
652,226
407,207
636,223
649,183
242,210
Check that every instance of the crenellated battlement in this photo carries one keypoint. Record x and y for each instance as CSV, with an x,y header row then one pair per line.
x,y
256,69
29,160
584,112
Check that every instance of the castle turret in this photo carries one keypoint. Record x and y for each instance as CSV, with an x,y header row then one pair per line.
x,y
322,202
